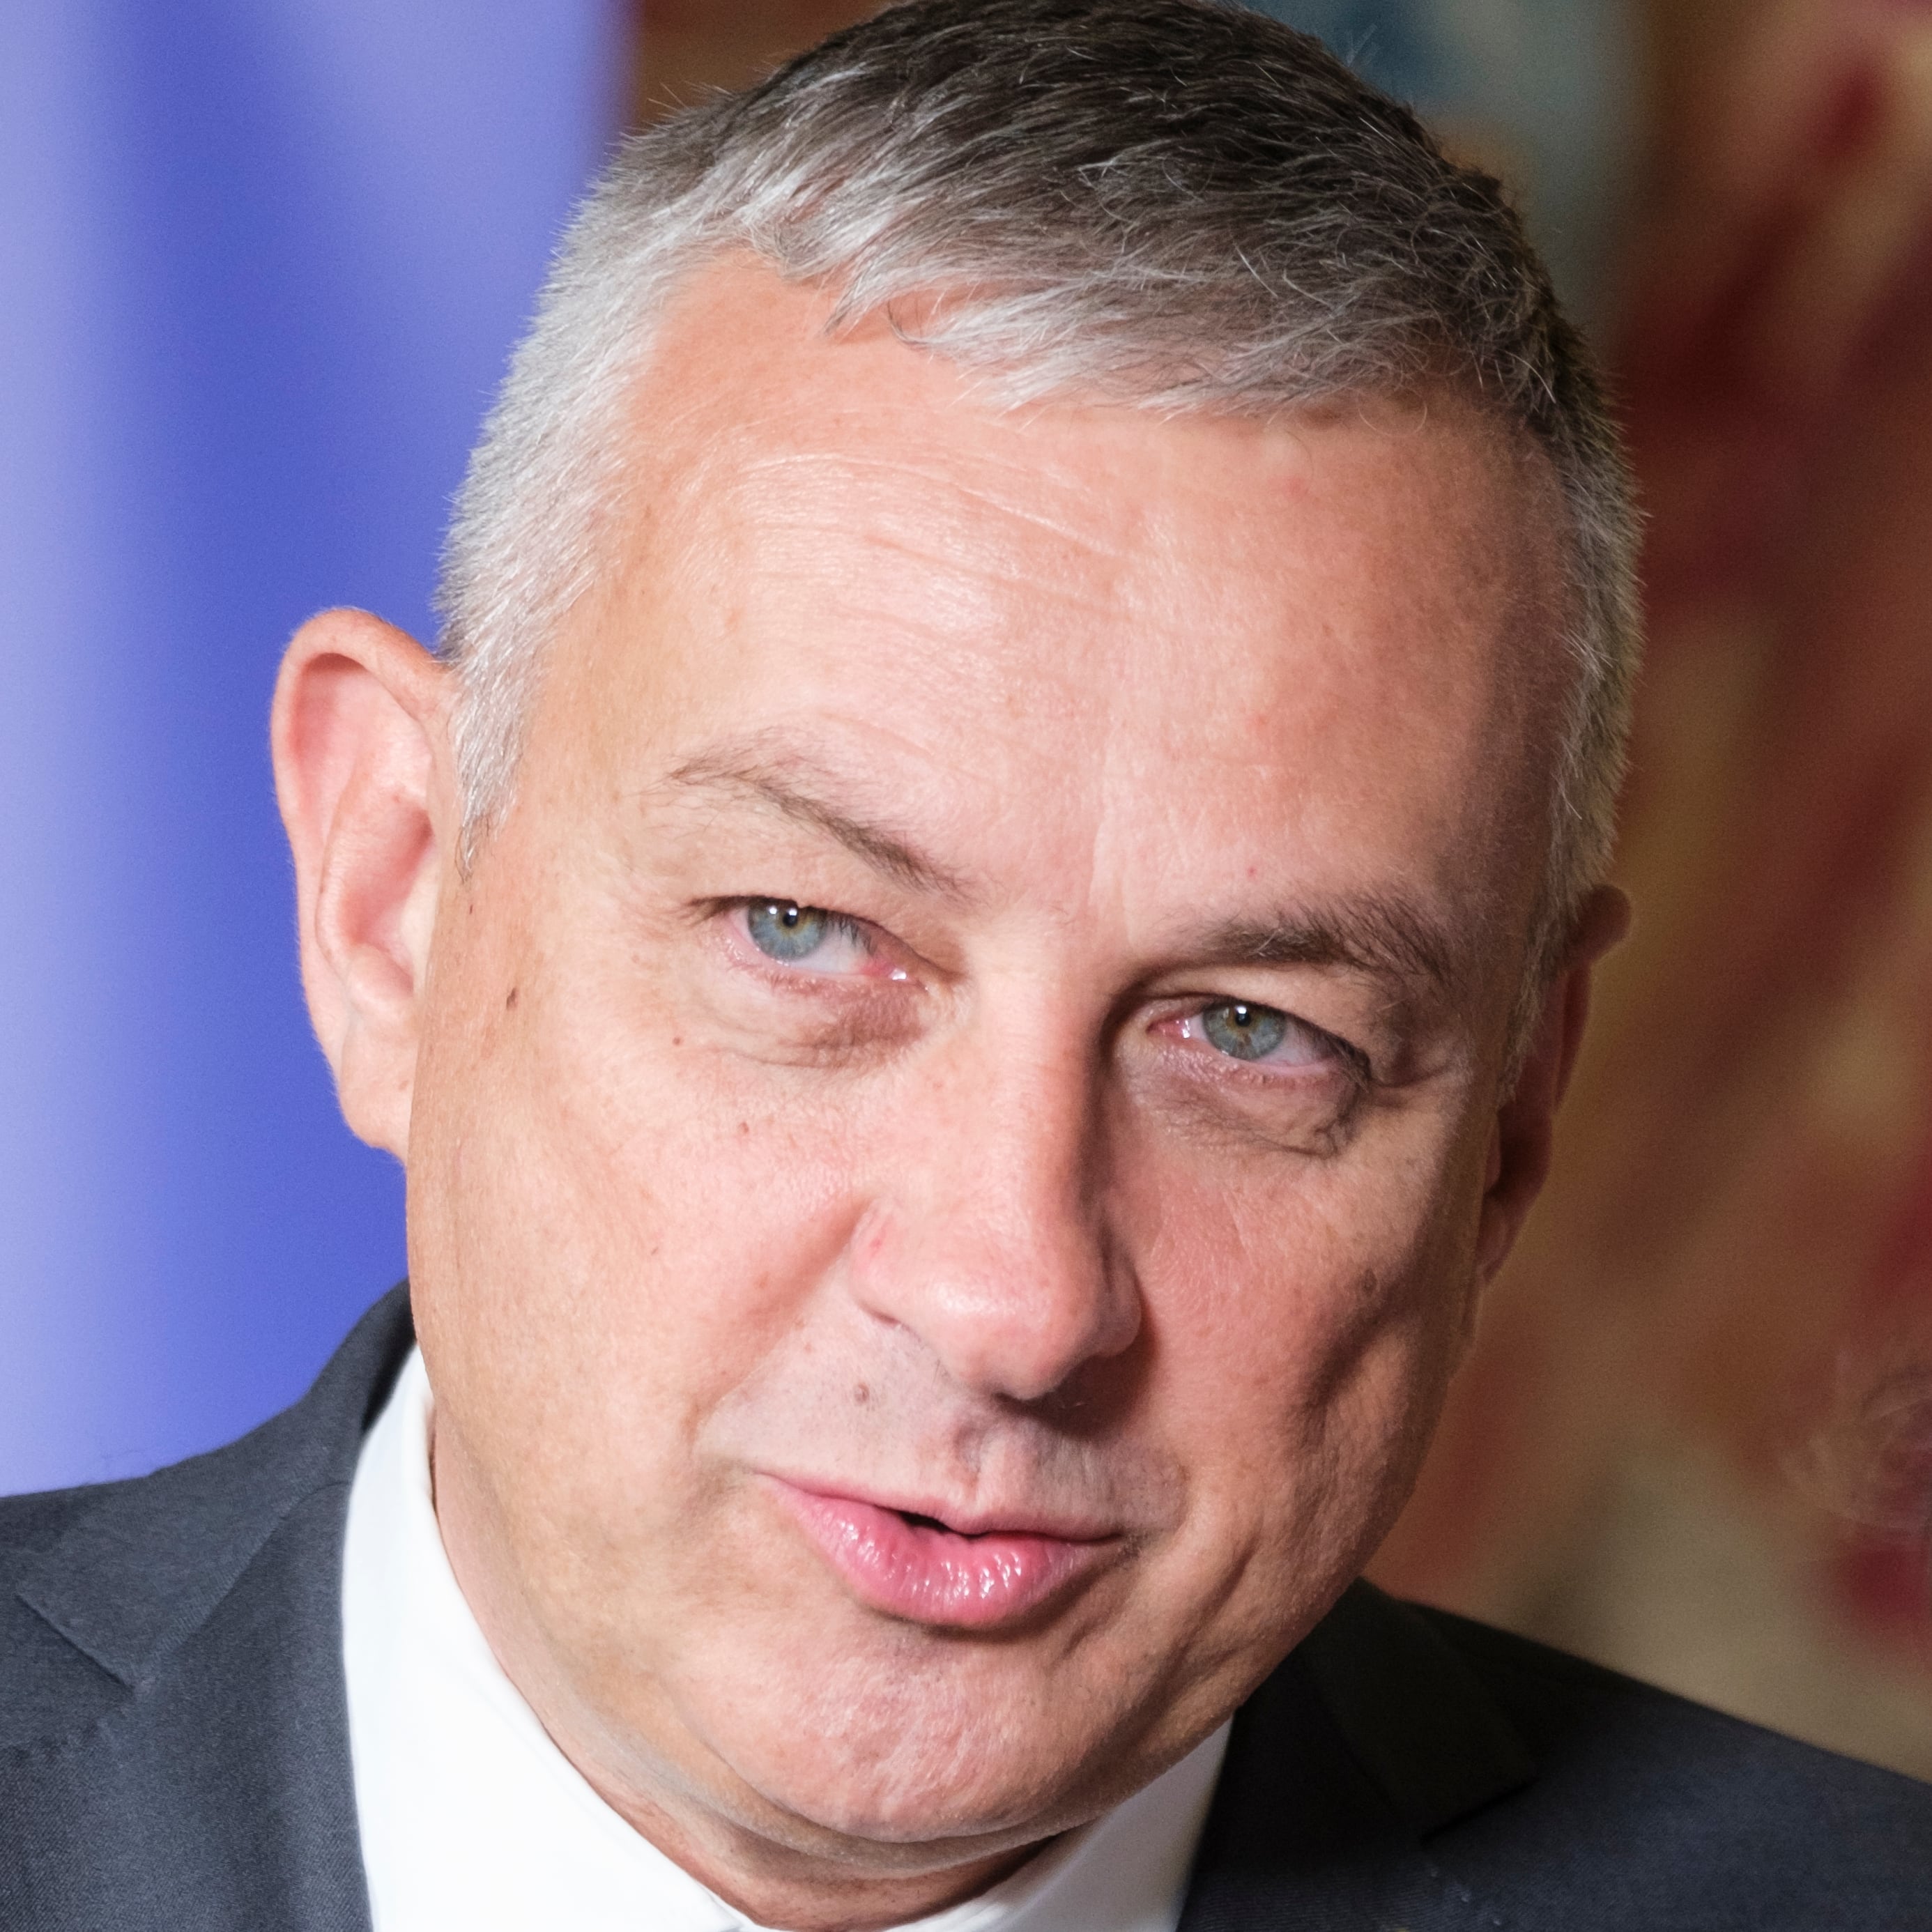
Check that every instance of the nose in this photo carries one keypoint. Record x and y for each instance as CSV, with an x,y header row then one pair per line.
x,y
985,1238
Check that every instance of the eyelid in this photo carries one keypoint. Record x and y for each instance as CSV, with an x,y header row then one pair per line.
x,y
1354,1062
868,939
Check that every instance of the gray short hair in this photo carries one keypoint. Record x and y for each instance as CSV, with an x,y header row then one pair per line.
x,y
1179,204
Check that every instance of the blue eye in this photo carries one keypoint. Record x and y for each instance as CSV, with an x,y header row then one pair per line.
x,y
784,930
1242,1031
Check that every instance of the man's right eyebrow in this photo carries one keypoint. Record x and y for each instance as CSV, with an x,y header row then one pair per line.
x,y
795,787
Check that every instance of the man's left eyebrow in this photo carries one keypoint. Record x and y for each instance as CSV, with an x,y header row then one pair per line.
x,y
1384,939
785,785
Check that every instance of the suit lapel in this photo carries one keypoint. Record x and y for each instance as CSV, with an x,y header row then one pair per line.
x,y
215,1793
1370,1737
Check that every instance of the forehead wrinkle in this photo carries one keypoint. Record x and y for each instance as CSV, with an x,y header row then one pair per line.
x,y
784,464
915,575
968,602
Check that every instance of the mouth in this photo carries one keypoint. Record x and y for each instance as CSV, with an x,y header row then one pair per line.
x,y
924,1569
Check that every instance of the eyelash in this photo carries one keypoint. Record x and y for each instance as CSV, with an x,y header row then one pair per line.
x,y
1349,1059
862,937
1353,1063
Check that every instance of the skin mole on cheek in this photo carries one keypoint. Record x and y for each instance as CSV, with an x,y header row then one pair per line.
x,y
861,1394
510,1001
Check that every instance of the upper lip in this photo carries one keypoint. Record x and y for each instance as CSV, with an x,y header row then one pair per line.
x,y
963,1519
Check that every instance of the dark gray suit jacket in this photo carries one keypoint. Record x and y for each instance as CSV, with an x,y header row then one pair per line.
x,y
174,1746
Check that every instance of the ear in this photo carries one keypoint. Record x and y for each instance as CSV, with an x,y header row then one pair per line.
x,y
1524,1128
362,773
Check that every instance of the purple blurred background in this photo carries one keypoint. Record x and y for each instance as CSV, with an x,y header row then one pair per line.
x,y
260,263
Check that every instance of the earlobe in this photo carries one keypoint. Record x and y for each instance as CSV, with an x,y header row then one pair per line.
x,y
361,773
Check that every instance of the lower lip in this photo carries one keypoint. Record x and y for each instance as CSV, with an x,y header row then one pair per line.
x,y
933,1575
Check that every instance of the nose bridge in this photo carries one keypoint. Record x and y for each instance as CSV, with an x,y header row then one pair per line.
x,y
987,1240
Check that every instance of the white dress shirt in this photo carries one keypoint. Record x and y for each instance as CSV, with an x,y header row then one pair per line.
x,y
473,1821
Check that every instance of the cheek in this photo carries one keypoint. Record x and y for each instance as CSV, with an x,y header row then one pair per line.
x,y
621,1232
1301,1334
1277,1285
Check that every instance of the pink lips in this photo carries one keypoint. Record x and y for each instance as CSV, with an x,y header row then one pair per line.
x,y
918,1569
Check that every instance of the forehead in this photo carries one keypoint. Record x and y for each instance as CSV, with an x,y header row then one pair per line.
x,y
1316,631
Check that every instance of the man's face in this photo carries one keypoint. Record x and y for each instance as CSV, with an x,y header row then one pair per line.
x,y
952,1136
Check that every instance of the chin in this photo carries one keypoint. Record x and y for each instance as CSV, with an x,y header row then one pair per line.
x,y
908,1751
